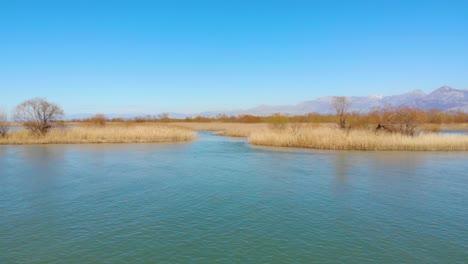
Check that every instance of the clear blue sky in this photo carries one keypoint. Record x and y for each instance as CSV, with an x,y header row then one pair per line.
x,y
189,56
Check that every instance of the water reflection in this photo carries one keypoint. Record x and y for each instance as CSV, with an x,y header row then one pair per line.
x,y
342,168
43,156
42,165
3,152
399,160
221,199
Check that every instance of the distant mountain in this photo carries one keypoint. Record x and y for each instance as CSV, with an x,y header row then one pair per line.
x,y
445,98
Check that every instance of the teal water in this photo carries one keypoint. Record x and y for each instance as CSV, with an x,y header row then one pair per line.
x,y
219,200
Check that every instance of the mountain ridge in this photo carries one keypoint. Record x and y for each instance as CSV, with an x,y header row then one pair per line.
x,y
444,98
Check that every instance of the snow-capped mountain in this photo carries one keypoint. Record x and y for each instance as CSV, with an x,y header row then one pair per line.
x,y
445,98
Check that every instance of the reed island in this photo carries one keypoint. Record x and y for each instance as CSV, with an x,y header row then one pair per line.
x,y
40,124
390,128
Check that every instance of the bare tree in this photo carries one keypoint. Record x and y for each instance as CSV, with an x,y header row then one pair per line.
x,y
341,105
403,120
408,120
4,128
384,118
38,115
164,117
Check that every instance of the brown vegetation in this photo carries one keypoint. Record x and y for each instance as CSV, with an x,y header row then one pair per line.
x,y
386,128
278,121
98,120
330,136
38,115
401,120
341,105
4,127
353,119
115,134
359,139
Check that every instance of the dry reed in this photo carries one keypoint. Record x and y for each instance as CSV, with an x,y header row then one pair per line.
x,y
336,139
115,134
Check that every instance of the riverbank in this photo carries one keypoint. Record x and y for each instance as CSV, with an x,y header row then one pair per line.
x,y
337,139
107,134
327,136
315,136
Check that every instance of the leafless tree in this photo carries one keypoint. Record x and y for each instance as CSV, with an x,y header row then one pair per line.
x,y
163,117
3,124
341,105
38,115
403,120
408,121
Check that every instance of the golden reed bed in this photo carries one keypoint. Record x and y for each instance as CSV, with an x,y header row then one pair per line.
x,y
336,139
315,136
107,134
327,136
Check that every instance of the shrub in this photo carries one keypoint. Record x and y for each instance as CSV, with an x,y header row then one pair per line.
x,y
97,120
38,115
164,117
4,128
403,120
278,121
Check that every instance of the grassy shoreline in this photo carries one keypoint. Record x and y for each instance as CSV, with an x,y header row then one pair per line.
x,y
107,134
327,136
336,139
314,136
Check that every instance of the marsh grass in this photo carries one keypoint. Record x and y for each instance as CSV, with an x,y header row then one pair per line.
x,y
108,134
329,136
312,135
337,139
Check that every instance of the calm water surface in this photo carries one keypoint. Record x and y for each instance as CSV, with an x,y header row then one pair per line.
x,y
454,132
219,200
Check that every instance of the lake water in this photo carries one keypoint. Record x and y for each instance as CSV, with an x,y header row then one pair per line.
x,y
219,200
454,132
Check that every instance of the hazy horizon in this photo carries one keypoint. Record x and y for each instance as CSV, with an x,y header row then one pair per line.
x,y
236,110
189,57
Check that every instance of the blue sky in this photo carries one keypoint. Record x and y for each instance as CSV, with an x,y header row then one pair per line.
x,y
191,56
